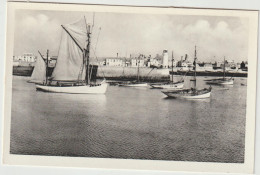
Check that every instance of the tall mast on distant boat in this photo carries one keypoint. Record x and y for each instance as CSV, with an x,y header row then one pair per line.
x,y
224,69
195,65
172,67
47,65
138,61
87,51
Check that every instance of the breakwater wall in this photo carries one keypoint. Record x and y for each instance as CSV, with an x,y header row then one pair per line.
x,y
22,70
130,73
207,73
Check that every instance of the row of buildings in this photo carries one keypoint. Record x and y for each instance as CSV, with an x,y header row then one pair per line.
x,y
29,59
139,61
163,61
159,61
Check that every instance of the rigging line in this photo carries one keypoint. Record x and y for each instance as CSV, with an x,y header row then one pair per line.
x,y
42,56
150,71
98,62
97,39
94,50
72,38
93,22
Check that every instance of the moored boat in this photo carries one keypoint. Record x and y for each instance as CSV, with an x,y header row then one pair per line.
x,y
189,93
192,93
137,82
168,85
134,84
171,84
221,81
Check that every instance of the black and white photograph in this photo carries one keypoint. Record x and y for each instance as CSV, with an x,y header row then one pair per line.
x,y
131,83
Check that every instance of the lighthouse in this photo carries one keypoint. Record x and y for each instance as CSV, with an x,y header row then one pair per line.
x,y
165,59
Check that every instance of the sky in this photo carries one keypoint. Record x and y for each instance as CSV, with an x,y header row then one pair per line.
x,y
216,37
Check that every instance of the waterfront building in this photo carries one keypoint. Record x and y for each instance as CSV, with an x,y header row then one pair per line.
x,y
114,62
137,62
165,61
127,64
26,57
153,62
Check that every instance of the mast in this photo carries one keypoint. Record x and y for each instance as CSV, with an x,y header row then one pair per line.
x,y
224,69
47,65
195,64
87,50
138,61
172,67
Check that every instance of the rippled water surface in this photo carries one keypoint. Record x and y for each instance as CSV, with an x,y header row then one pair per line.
x,y
135,123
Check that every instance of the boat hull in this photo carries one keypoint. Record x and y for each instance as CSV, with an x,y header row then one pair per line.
x,y
168,86
134,85
85,89
175,94
221,82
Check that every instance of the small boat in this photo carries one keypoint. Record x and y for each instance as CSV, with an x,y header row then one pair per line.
x,y
192,93
171,84
168,85
72,72
135,83
221,81
189,93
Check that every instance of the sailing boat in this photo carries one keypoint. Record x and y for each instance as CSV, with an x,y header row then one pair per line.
x,y
171,84
72,72
136,83
192,93
222,81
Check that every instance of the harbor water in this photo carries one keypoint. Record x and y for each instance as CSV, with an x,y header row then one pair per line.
x,y
130,123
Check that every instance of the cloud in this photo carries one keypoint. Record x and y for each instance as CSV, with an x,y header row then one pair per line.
x,y
135,33
219,40
38,33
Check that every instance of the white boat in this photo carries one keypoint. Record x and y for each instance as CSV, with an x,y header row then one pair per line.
x,y
134,84
73,63
189,93
222,81
80,89
168,86
192,93
171,84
